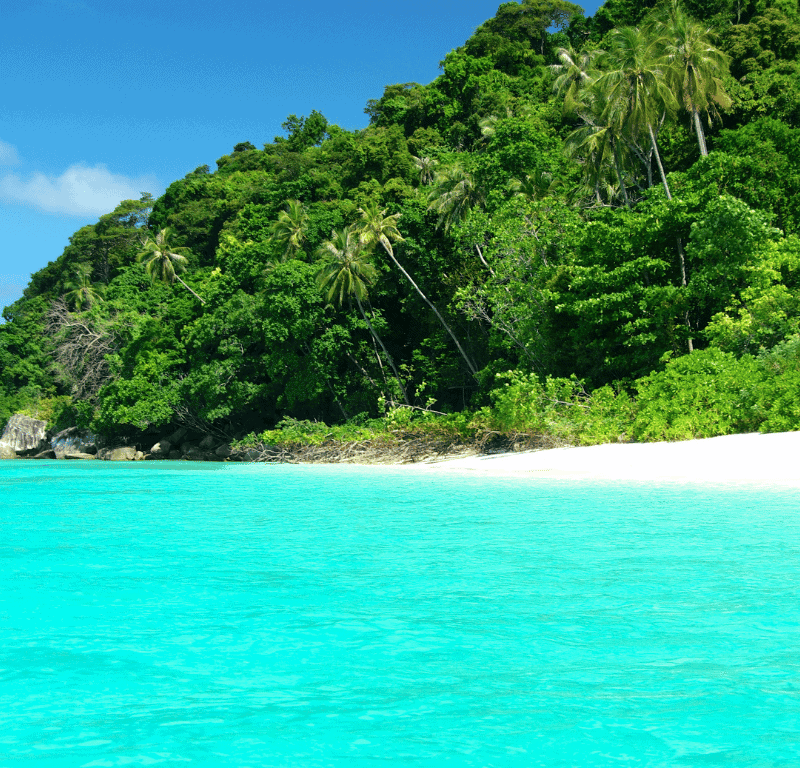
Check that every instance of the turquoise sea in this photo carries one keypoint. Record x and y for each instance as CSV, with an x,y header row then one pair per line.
x,y
253,615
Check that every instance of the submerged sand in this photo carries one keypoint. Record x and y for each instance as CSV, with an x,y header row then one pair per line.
x,y
772,458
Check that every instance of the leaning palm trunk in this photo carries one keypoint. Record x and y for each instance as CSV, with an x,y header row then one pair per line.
x,y
473,370
658,161
698,129
385,351
202,301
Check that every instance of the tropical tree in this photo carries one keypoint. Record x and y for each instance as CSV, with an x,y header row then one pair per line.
x,y
575,71
376,228
600,142
535,186
454,194
635,88
81,290
163,261
694,66
346,271
289,230
425,167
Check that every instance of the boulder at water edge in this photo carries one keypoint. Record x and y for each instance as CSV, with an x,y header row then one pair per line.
x,y
7,452
161,449
73,441
126,453
22,433
79,456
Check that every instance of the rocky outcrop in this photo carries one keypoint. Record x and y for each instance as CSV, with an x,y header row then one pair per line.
x,y
248,454
178,435
22,433
79,456
73,441
7,452
223,452
161,449
125,453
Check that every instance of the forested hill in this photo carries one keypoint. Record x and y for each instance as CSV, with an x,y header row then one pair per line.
x,y
594,214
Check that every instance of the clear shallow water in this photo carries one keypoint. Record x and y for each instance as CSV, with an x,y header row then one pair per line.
x,y
235,615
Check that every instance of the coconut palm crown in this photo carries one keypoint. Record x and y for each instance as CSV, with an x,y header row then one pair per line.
x,y
163,261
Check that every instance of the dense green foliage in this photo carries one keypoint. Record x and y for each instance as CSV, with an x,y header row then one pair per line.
x,y
583,227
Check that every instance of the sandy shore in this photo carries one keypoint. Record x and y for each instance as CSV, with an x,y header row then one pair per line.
x,y
773,458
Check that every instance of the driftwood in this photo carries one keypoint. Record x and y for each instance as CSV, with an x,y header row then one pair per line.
x,y
401,448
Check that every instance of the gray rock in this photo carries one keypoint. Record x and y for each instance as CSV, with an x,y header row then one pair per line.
x,y
249,454
175,455
48,454
126,453
73,440
7,452
207,443
161,449
177,435
223,451
79,456
195,453
187,446
22,433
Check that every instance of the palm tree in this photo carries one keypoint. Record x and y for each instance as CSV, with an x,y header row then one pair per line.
x,y
694,67
376,228
600,140
535,186
425,166
635,88
81,290
455,193
638,80
575,71
346,271
290,228
163,261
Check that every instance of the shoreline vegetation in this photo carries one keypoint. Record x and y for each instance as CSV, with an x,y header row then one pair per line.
x,y
585,231
729,460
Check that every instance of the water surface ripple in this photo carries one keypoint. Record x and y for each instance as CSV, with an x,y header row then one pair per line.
x,y
235,615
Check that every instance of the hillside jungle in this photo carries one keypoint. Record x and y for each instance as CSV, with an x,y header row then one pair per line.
x,y
583,230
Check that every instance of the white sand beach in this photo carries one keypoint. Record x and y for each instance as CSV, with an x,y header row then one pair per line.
x,y
772,458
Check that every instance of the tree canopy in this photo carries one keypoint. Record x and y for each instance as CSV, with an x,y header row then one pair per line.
x,y
575,200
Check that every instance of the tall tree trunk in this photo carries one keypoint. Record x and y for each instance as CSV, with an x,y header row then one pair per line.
x,y
483,261
698,129
202,301
618,166
473,370
658,161
684,281
365,374
385,351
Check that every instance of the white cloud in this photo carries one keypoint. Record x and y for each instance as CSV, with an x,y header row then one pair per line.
x,y
80,191
8,154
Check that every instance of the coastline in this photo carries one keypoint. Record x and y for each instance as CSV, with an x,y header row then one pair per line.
x,y
748,458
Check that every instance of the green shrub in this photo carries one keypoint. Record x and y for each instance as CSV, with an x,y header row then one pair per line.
x,y
704,394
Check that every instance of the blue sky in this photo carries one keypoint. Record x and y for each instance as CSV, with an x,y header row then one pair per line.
x,y
104,100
